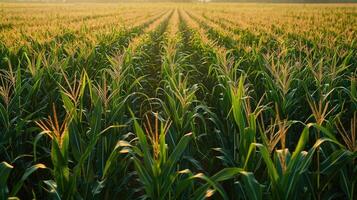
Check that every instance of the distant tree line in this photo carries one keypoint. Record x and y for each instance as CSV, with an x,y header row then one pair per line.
x,y
291,1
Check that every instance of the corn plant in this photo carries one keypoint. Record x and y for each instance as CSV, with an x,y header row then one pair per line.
x,y
178,101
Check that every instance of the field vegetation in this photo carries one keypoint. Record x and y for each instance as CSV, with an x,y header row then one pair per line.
x,y
178,101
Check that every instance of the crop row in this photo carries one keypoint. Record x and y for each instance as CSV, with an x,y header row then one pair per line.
x,y
182,101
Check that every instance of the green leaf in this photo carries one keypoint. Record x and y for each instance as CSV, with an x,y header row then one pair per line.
x,y
142,142
37,138
5,169
237,105
27,173
273,173
178,151
336,161
200,193
251,186
304,137
4,117
53,189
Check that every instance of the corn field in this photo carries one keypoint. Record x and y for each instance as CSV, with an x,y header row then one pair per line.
x,y
178,101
